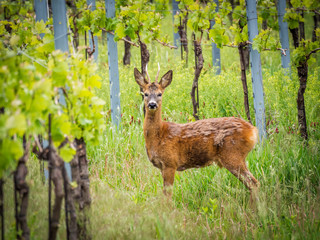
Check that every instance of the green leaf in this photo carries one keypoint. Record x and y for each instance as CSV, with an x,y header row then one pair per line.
x,y
67,153
59,68
73,184
84,121
14,40
94,81
66,128
40,103
85,93
88,135
48,44
16,124
98,101
130,31
119,31
10,151
40,27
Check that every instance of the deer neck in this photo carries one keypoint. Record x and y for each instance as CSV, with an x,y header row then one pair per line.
x,y
152,125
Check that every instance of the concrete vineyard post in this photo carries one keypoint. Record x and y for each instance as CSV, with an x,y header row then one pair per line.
x,y
216,60
284,34
255,62
113,68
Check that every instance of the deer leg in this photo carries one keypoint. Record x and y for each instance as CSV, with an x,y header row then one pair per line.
x,y
253,182
168,179
253,185
245,176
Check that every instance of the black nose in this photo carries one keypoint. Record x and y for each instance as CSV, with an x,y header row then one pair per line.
x,y
152,105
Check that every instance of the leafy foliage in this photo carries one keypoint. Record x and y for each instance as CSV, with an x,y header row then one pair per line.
x,y
264,40
199,15
294,17
33,79
303,52
210,201
268,13
226,33
133,17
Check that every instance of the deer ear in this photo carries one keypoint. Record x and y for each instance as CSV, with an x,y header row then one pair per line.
x,y
140,78
166,79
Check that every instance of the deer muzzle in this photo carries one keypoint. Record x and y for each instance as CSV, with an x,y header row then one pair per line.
x,y
152,105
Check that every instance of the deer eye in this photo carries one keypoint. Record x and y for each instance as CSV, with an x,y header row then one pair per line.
x,y
146,94
159,95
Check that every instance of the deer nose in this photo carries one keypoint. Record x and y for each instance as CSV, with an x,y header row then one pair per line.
x,y
152,105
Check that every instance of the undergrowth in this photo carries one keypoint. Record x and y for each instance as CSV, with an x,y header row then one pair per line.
x,y
127,199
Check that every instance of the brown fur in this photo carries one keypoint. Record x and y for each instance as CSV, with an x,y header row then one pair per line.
x,y
175,147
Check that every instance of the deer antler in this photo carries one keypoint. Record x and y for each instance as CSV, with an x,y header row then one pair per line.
x,y
158,73
147,73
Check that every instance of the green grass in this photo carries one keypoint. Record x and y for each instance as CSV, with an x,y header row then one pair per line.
x,y
127,199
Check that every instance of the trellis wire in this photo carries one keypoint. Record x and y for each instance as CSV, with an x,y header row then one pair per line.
x,y
32,48
259,9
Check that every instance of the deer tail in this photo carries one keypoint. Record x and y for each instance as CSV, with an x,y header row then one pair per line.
x,y
253,136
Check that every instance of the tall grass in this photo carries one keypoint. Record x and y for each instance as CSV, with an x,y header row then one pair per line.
x,y
210,202
127,199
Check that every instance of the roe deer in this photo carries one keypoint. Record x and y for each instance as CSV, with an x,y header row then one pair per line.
x,y
175,147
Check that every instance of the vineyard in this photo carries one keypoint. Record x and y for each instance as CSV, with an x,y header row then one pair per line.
x,y
73,161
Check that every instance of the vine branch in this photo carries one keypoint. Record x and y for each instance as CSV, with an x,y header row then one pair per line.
x,y
161,42
123,39
89,50
66,95
165,44
307,10
313,51
283,50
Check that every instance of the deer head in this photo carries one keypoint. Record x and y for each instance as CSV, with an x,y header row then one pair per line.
x,y
153,91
